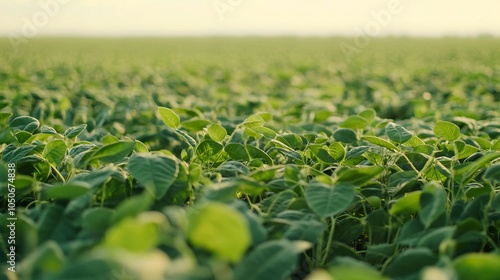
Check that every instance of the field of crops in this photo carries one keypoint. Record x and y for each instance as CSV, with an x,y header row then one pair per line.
x,y
250,158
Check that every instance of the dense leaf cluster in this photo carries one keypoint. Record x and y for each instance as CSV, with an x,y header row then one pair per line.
x,y
216,171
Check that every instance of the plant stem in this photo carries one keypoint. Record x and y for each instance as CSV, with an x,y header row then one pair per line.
x,y
329,243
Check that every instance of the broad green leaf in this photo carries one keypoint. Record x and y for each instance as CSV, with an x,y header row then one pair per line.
x,y
402,180
305,230
237,151
483,143
256,153
254,121
496,146
219,229
464,173
411,261
68,191
368,114
345,135
192,112
433,238
354,122
347,268
207,149
23,136
232,168
97,219
145,232
96,178
291,140
55,151
432,205
337,151
408,204
181,188
48,259
195,125
322,154
11,154
327,200
380,142
319,274
169,117
493,173
114,152
48,130
414,142
397,133
265,116
275,259
155,172
216,132
132,207
140,147
275,204
188,139
264,131
109,139
74,131
359,176
25,123
4,116
477,266
447,130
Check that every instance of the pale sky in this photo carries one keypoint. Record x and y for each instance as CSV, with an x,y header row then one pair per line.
x,y
248,17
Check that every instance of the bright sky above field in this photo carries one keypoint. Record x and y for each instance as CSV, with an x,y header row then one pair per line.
x,y
248,17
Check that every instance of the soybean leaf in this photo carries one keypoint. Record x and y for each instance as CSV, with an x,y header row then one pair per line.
x,y
145,231
169,117
11,154
55,151
256,153
447,130
327,200
25,123
114,152
321,153
410,262
361,175
155,172
380,142
493,173
464,173
207,149
68,191
219,229
74,131
397,133
271,260
217,132
237,151
432,206
305,230
408,204
368,114
254,121
195,125
354,122
264,131
345,135
477,266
